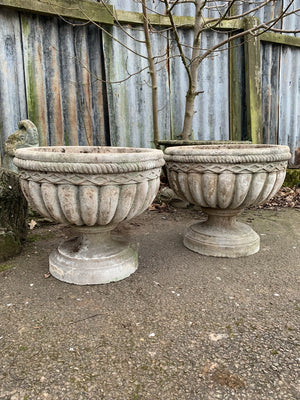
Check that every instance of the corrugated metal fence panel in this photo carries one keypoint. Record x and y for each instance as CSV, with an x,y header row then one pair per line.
x,y
253,9
130,98
64,97
12,88
270,58
281,86
212,107
280,76
211,10
292,21
153,6
289,101
32,31
211,121
270,65
89,85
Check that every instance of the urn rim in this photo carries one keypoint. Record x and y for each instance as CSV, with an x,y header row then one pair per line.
x,y
88,159
88,154
228,153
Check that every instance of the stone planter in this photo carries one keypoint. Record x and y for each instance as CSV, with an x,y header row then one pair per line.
x,y
223,180
92,189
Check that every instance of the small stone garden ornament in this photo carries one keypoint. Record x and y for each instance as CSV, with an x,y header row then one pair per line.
x,y
223,180
26,136
93,189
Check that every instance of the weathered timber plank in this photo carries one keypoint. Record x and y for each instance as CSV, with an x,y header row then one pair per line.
x,y
237,102
280,39
135,18
84,10
253,83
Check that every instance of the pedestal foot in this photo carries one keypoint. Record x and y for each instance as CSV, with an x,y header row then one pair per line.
x,y
221,236
93,258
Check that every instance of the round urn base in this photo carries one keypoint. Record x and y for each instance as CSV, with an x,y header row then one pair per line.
x,y
222,236
92,258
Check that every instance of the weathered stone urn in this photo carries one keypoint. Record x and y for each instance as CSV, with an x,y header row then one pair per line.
x,y
92,189
223,180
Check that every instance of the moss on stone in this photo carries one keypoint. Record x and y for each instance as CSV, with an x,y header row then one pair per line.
x,y
13,210
9,246
5,267
292,178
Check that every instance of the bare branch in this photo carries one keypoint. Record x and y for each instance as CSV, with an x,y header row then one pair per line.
x,y
177,39
255,31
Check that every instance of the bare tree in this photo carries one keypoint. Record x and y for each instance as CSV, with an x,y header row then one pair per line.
x,y
225,10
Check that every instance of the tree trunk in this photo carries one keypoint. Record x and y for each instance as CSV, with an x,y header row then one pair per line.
x,y
152,73
194,66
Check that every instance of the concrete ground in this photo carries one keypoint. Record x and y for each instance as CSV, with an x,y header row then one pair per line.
x,y
182,327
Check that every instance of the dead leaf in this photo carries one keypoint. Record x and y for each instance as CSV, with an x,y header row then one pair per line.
x,y
225,377
32,224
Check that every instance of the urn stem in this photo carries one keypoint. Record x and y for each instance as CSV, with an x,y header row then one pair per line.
x,y
221,219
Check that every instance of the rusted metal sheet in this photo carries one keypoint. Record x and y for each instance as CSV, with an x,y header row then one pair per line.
x,y
63,76
12,89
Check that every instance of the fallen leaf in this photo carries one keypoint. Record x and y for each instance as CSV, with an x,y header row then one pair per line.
x,y
32,224
217,336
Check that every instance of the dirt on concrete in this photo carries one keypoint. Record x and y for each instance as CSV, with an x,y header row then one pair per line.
x,y
182,327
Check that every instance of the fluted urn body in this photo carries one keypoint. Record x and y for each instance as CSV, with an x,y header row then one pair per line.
x,y
92,189
223,180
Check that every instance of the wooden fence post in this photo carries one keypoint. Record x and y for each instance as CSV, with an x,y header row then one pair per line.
x,y
237,113
253,82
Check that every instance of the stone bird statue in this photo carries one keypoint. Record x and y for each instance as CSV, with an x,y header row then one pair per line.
x,y
26,136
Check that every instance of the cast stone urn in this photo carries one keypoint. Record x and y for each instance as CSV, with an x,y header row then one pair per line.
x,y
92,189
223,180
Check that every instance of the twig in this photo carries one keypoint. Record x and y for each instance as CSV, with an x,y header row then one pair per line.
x,y
84,319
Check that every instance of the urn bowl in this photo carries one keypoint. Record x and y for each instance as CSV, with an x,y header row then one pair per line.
x,y
93,189
223,180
